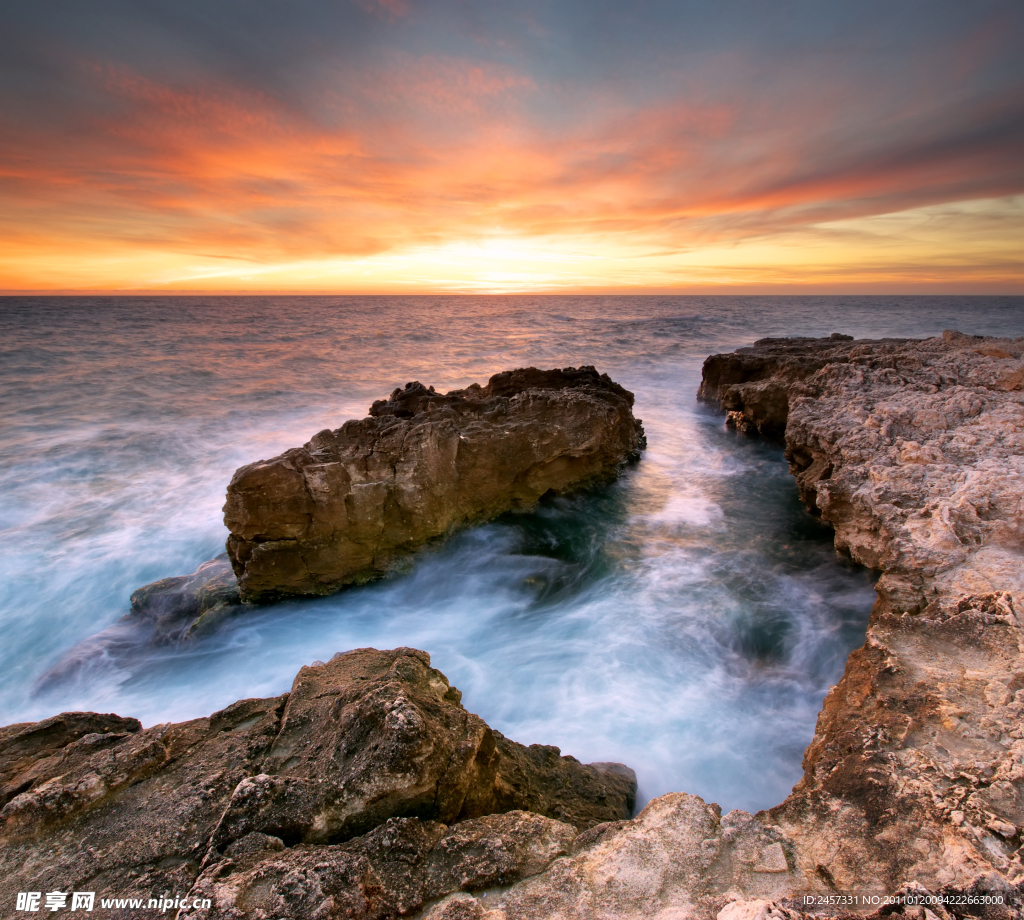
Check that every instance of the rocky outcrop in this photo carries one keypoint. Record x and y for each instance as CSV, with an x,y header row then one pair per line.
x,y
390,872
342,508
914,452
186,606
367,791
911,450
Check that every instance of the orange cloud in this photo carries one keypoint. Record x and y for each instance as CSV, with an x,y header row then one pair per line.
x,y
167,181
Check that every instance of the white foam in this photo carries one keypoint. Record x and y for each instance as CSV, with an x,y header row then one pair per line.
x,y
688,509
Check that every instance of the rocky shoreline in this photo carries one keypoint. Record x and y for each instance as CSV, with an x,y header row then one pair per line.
x,y
914,452
368,792
912,800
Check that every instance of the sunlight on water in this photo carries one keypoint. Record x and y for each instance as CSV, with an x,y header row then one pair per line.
x,y
687,620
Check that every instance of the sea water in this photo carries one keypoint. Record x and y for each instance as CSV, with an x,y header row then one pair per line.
x,y
686,620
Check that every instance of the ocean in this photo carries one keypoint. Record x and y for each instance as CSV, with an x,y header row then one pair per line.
x,y
686,620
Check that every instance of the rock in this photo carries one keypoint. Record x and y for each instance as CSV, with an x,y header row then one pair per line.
x,y
911,450
347,505
390,871
372,735
27,750
674,860
367,787
913,786
168,611
496,850
461,907
188,605
756,909
147,835
344,507
537,778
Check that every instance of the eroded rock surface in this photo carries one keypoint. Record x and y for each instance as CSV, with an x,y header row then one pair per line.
x,y
392,871
367,791
911,450
342,508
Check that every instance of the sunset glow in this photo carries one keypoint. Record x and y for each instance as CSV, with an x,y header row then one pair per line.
x,y
405,148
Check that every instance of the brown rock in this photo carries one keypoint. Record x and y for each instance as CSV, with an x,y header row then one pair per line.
x,y
372,735
391,871
369,787
342,508
142,836
677,858
461,907
910,449
914,452
913,785
28,748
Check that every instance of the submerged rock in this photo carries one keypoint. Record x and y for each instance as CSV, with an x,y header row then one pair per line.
x,y
165,612
342,508
188,605
368,784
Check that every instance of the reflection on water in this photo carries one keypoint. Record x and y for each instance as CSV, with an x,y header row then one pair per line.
x,y
687,620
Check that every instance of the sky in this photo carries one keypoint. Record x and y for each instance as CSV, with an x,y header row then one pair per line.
x,y
417,146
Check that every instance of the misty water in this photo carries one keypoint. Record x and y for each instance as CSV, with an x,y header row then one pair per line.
x,y
686,620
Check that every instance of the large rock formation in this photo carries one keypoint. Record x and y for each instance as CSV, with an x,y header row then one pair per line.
x,y
366,791
343,507
911,450
914,453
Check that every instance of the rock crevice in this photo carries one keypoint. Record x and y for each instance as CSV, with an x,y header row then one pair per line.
x,y
912,800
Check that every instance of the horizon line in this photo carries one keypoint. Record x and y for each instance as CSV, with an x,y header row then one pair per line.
x,y
738,290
